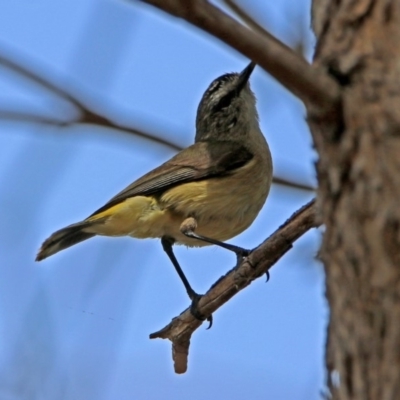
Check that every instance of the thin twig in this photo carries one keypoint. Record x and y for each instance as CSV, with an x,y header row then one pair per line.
x,y
86,116
40,119
260,260
254,25
34,77
100,121
294,185
310,84
31,118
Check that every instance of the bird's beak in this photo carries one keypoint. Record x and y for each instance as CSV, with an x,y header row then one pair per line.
x,y
244,76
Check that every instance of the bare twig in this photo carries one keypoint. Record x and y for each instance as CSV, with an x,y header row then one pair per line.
x,y
255,26
310,84
95,119
34,77
260,260
28,117
295,185
87,116
241,12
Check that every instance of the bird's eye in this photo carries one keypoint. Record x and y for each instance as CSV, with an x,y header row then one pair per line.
x,y
224,102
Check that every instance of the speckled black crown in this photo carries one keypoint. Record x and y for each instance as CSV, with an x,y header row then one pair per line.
x,y
220,107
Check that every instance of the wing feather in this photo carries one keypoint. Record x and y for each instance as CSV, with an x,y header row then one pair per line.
x,y
200,161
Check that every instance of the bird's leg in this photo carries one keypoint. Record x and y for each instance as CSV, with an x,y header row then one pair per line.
x,y
167,246
195,297
188,228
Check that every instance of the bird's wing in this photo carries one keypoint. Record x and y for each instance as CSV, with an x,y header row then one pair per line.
x,y
200,161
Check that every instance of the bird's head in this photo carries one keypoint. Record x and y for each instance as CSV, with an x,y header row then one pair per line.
x,y
227,108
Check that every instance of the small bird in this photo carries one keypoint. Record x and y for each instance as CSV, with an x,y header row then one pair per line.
x,y
206,194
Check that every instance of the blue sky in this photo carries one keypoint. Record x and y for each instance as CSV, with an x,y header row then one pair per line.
x,y
76,326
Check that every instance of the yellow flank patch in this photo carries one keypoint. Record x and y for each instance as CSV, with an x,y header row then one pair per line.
x,y
222,207
108,212
186,197
138,216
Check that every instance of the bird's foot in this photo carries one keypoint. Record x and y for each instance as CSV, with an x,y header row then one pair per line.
x,y
241,254
195,297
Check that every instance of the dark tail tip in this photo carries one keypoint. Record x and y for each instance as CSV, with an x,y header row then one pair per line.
x,y
49,247
40,255
63,239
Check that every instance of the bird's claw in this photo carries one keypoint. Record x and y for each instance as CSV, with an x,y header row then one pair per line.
x,y
195,311
241,255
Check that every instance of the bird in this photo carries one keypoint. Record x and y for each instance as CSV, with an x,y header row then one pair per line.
x,y
205,195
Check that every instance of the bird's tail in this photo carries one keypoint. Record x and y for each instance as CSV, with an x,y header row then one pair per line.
x,y
64,238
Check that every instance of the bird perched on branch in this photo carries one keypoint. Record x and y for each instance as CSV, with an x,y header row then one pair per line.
x,y
205,194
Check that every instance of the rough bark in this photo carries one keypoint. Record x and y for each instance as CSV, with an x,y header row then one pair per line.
x,y
359,192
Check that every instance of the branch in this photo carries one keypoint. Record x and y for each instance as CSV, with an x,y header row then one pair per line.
x,y
90,117
87,116
254,25
295,185
310,84
27,117
260,260
32,76
249,21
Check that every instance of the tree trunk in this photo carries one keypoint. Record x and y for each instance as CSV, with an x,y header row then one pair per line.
x,y
359,193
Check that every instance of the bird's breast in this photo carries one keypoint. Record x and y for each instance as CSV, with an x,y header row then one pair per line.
x,y
222,206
